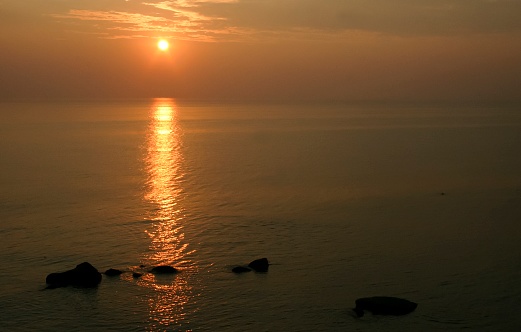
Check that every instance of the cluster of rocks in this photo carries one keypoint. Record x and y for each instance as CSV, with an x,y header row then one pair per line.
x,y
86,275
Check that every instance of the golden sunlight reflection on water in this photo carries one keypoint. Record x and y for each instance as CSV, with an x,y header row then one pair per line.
x,y
168,245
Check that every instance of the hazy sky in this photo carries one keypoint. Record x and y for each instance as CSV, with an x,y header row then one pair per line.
x,y
404,50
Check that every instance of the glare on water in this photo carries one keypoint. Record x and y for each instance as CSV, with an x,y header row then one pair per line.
x,y
167,242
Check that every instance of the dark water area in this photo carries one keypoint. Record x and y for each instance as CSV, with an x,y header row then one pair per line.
x,y
346,201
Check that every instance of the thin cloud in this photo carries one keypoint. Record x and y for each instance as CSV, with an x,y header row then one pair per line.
x,y
175,19
212,20
181,25
133,19
180,8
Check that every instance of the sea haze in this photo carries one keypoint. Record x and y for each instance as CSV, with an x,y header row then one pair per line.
x,y
346,201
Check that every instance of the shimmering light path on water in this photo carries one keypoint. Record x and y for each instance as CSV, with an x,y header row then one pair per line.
x,y
168,246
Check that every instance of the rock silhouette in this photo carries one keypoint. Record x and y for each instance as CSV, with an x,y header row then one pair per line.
x,y
83,275
259,265
163,269
384,305
113,272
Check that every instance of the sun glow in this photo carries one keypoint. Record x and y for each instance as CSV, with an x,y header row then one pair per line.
x,y
163,45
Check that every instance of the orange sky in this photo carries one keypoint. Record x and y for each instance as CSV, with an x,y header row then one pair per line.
x,y
401,50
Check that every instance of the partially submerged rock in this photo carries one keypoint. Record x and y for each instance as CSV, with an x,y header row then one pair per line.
x,y
113,272
384,305
260,265
83,275
164,269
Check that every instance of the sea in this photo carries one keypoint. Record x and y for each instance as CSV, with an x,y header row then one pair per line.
x,y
345,200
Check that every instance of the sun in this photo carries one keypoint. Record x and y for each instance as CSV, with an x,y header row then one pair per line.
x,y
163,45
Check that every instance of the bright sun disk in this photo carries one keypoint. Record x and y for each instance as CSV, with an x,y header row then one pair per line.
x,y
163,45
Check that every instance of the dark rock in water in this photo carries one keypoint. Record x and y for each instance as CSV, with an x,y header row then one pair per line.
x,y
260,265
83,275
384,305
241,269
136,275
163,269
113,272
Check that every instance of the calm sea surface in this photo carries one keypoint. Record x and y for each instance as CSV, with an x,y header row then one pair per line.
x,y
346,201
